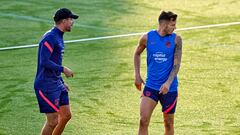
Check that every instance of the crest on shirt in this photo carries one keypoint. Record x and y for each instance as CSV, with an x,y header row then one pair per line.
x,y
168,44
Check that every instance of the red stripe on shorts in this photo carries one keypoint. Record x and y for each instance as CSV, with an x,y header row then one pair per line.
x,y
170,108
48,102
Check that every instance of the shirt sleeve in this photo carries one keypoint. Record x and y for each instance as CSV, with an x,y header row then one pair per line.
x,y
47,47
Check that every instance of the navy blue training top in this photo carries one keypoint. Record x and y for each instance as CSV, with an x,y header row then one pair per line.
x,y
50,55
160,60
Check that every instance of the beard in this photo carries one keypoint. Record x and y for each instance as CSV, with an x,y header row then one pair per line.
x,y
68,29
170,31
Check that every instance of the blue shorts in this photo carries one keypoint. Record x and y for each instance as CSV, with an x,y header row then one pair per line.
x,y
168,101
49,101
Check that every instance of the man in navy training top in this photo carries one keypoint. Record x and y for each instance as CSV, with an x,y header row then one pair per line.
x,y
164,52
50,89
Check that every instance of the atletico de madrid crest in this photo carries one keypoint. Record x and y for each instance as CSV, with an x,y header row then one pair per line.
x,y
56,102
168,44
148,93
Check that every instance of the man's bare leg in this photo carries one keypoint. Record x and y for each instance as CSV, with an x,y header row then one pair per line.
x,y
168,123
146,108
63,118
50,124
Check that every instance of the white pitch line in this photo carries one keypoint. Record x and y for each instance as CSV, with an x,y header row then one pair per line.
x,y
123,35
31,18
209,26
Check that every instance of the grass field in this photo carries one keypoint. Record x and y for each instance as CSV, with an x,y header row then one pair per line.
x,y
103,98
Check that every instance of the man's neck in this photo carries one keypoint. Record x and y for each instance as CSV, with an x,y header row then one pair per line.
x,y
161,32
60,27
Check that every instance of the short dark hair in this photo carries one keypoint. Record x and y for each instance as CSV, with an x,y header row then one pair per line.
x,y
167,16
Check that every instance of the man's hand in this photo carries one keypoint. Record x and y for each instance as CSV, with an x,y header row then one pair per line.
x,y
164,88
66,87
138,82
68,72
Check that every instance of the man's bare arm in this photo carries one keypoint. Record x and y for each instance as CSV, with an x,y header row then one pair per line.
x,y
176,66
177,59
137,61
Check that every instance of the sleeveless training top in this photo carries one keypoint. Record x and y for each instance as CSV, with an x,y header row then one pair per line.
x,y
160,60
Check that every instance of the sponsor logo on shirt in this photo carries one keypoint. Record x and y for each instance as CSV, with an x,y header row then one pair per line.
x,y
159,57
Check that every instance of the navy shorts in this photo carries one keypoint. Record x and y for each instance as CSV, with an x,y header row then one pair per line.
x,y
168,101
49,101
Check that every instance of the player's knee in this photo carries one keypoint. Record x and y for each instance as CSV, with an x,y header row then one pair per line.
x,y
168,123
66,117
144,121
53,123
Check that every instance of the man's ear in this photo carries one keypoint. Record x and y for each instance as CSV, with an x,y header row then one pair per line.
x,y
164,24
64,20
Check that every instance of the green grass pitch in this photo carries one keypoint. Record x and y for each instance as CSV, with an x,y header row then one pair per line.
x,y
103,98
